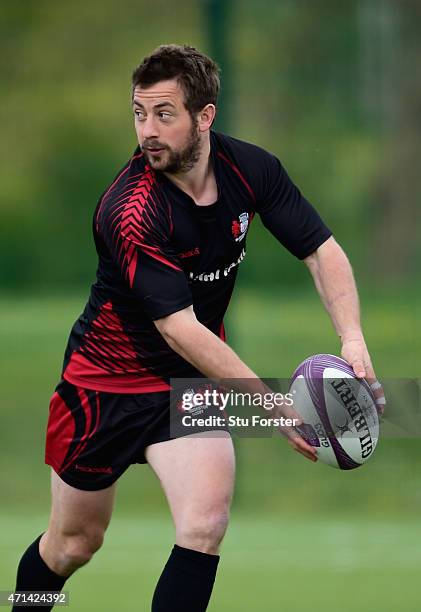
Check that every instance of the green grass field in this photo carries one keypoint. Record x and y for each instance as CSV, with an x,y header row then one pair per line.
x,y
302,536
267,564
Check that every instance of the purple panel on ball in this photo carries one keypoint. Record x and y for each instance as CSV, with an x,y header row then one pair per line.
x,y
307,432
312,369
319,362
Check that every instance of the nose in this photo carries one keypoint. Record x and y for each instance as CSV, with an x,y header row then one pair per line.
x,y
149,128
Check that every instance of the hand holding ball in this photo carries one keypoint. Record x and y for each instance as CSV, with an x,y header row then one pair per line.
x,y
338,410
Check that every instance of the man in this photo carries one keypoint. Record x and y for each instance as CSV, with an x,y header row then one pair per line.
x,y
170,233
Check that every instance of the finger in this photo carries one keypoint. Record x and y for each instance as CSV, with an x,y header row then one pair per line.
x,y
291,433
381,405
289,412
376,388
312,458
286,408
379,397
359,368
377,391
371,377
298,442
308,454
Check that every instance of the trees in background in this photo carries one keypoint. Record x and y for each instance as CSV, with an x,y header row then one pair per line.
x,y
329,87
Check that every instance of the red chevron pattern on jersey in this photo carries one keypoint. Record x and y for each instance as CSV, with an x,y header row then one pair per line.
x,y
143,225
107,344
109,347
126,168
133,219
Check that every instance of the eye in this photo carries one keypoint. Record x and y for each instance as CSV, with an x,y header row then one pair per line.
x,y
140,115
164,115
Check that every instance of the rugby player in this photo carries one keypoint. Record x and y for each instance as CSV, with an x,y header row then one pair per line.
x,y
170,233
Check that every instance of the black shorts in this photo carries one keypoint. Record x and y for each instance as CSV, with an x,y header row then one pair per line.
x,y
94,436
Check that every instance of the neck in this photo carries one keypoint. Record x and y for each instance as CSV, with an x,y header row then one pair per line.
x,y
195,181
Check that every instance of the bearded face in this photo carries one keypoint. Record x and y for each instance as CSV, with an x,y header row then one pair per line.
x,y
169,135
172,159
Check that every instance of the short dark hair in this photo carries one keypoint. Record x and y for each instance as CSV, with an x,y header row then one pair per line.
x,y
197,74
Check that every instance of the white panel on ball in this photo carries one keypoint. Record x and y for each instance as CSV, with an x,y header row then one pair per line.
x,y
338,410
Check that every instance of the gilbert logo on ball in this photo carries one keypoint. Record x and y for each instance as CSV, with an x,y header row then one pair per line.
x,y
338,411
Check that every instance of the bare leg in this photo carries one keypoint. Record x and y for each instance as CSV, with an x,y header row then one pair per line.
x,y
77,525
197,476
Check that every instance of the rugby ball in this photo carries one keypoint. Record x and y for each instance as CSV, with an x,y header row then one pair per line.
x,y
338,411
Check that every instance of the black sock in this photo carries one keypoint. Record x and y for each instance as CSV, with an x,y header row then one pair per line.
x,y
35,575
186,582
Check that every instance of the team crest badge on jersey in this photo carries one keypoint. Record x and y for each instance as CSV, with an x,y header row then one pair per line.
x,y
239,228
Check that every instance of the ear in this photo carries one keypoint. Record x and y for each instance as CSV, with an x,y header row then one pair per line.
x,y
206,117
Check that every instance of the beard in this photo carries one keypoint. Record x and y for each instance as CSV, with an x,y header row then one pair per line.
x,y
181,160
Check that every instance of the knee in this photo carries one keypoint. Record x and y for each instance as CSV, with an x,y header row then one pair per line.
x,y
79,549
203,532
67,552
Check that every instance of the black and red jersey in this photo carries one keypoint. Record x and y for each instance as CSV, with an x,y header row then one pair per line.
x,y
160,252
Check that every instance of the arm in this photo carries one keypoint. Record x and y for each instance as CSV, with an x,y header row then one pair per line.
x,y
216,360
204,350
334,280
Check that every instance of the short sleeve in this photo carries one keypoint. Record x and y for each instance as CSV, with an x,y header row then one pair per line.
x,y
140,245
286,213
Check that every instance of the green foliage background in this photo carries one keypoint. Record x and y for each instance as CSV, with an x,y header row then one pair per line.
x,y
329,87
332,89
